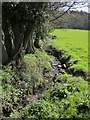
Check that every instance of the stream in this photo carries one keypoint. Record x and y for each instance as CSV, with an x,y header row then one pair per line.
x,y
56,69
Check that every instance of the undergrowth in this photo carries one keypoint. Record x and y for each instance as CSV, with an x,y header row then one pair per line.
x,y
68,98
17,85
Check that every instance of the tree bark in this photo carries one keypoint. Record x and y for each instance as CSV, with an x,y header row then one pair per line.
x,y
27,37
30,46
5,58
7,40
17,40
36,42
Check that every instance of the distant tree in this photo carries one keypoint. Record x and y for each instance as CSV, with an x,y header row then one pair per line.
x,y
62,16
74,20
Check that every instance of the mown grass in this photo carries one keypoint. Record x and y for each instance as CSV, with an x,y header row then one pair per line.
x,y
75,43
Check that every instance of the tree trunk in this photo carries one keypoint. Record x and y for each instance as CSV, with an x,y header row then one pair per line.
x,y
36,42
30,46
17,40
19,60
7,40
27,36
5,58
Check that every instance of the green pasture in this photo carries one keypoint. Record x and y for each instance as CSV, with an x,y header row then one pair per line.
x,y
75,43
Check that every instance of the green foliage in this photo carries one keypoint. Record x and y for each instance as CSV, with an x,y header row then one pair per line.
x,y
10,91
15,114
43,60
69,98
41,110
69,86
35,65
17,86
32,73
8,82
0,82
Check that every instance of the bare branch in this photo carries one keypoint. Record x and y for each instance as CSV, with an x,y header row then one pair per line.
x,y
64,12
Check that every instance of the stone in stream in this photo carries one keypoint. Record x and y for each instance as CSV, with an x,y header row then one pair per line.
x,y
64,66
55,70
55,63
62,71
59,66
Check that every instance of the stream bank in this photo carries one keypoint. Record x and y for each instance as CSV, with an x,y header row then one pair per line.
x,y
60,65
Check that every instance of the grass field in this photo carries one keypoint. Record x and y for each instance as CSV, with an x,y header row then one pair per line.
x,y
75,43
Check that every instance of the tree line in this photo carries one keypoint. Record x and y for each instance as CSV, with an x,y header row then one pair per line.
x,y
73,20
